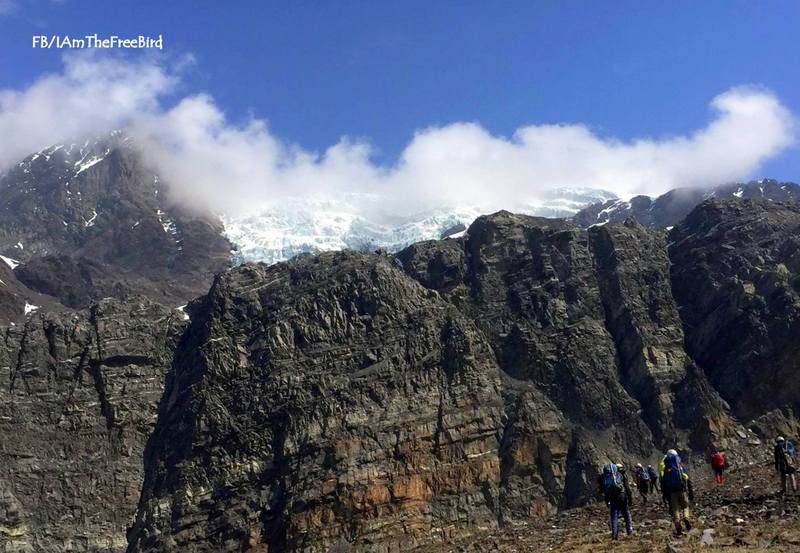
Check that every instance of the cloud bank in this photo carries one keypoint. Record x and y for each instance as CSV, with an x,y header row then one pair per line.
x,y
209,161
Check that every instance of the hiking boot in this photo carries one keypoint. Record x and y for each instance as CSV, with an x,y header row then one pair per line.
x,y
688,524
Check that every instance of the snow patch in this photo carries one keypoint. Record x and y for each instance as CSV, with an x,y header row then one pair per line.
x,y
30,308
90,222
85,165
182,309
13,263
167,223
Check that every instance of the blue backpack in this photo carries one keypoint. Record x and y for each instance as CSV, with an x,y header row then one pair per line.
x,y
644,476
612,480
673,473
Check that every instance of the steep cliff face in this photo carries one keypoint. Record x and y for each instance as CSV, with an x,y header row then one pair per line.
x,y
333,400
78,399
634,280
589,338
325,400
374,404
736,277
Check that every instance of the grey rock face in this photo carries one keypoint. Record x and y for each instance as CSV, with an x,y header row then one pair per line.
x,y
78,398
736,277
332,400
590,341
352,402
326,400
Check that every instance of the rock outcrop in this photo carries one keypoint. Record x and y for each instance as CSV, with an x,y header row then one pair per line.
x,y
359,402
334,402
633,273
78,399
323,401
586,322
736,277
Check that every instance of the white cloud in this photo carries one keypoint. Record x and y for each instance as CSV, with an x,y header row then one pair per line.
x,y
93,94
210,161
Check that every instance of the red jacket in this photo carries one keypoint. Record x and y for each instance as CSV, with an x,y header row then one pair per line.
x,y
718,460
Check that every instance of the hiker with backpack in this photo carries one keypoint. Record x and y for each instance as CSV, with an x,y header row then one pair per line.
x,y
653,478
784,463
613,482
642,481
718,465
664,491
677,483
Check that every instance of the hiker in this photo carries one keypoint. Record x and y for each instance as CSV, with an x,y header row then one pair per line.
x,y
664,491
616,491
718,465
642,481
679,486
784,463
653,478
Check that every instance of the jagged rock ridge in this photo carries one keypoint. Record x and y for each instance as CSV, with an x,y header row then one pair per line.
x,y
670,208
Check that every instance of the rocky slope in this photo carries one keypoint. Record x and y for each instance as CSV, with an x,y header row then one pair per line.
x,y
87,221
669,209
333,402
78,398
371,403
743,515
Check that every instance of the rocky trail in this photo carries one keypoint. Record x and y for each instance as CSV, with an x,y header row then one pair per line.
x,y
743,514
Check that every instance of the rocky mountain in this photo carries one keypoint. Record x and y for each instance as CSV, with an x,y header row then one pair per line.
x,y
669,209
80,222
78,399
362,402
358,401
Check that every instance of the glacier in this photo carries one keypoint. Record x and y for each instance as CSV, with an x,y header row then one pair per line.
x,y
282,229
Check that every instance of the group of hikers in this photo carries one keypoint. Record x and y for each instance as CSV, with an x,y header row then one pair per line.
x,y
675,485
671,479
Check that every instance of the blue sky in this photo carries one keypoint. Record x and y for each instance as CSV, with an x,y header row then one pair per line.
x,y
380,71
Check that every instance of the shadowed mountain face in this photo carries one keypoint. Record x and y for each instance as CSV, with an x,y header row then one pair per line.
x,y
468,383
78,398
361,401
669,209
736,275
89,221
